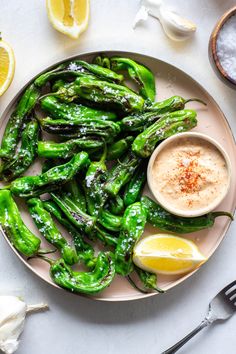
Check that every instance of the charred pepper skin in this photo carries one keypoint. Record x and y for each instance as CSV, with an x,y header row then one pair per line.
x,y
140,121
12,131
77,68
26,155
15,229
84,250
132,227
139,73
106,130
60,110
161,218
82,221
116,205
53,150
173,123
102,93
85,282
48,229
75,215
135,186
31,186
76,193
121,173
94,183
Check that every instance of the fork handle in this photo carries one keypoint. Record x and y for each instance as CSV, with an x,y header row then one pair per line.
x,y
178,345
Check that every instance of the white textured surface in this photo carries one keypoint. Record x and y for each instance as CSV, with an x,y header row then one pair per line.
x,y
74,324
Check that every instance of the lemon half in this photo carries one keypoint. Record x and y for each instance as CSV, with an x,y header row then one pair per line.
x,y
69,16
7,65
167,254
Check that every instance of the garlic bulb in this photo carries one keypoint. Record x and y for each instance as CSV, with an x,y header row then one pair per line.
x,y
175,26
12,317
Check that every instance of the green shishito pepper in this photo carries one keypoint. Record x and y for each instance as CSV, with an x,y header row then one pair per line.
x,y
81,220
139,73
135,186
53,150
77,68
148,279
161,218
109,221
84,282
102,93
12,131
84,250
121,173
48,229
76,193
94,181
139,121
60,110
25,156
107,130
132,227
116,205
31,186
116,150
170,124
15,229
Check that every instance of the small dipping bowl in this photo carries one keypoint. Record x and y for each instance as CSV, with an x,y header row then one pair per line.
x,y
189,173
212,49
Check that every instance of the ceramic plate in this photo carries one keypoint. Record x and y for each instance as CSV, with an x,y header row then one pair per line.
x,y
169,81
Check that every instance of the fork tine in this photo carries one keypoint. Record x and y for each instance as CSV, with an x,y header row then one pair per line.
x,y
229,286
231,294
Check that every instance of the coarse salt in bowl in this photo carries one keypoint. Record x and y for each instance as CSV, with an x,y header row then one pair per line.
x,y
222,48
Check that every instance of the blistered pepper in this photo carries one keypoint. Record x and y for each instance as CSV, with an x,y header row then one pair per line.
x,y
52,179
48,229
161,218
15,229
132,227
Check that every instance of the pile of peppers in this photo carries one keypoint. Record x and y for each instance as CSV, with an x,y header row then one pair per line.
x,y
102,133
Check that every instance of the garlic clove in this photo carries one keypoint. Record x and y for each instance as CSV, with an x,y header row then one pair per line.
x,y
176,27
12,317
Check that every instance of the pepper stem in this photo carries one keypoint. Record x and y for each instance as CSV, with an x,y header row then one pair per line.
x,y
49,260
195,100
45,251
104,154
130,280
223,213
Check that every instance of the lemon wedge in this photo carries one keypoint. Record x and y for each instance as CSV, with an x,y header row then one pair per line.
x,y
69,16
7,65
167,254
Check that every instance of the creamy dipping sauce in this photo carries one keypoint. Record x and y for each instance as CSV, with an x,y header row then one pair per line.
x,y
190,174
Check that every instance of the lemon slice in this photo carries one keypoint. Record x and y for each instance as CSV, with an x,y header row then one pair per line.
x,y
7,65
69,16
167,254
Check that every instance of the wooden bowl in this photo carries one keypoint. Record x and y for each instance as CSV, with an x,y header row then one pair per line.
x,y
214,60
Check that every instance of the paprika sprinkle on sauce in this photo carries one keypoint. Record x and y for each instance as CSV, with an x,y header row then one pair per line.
x,y
190,173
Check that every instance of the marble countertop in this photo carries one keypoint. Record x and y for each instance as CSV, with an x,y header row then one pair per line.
x,y
75,324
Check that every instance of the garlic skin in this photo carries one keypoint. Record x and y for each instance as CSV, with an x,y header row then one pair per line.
x,y
12,317
175,26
